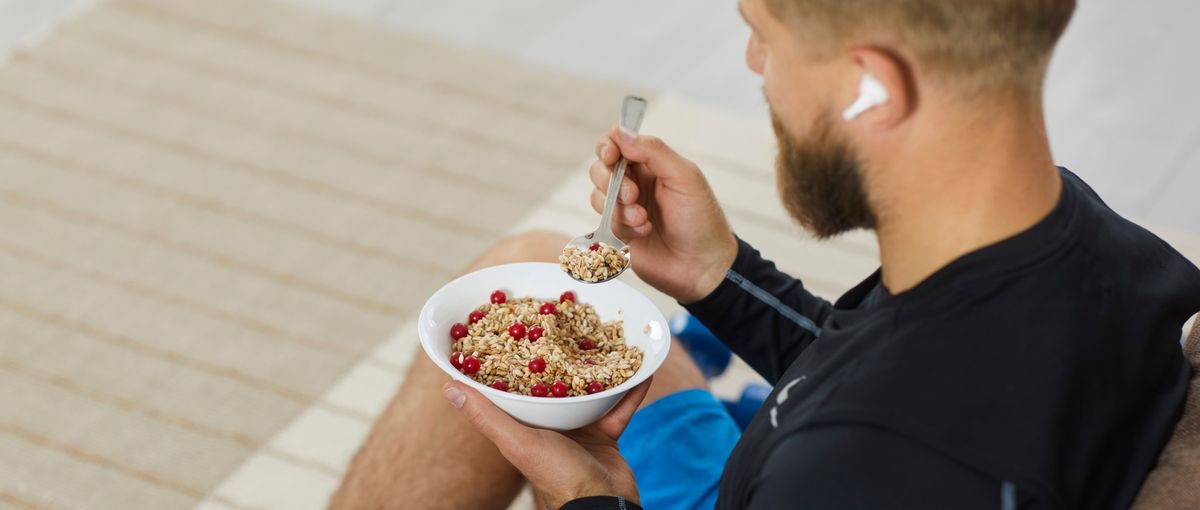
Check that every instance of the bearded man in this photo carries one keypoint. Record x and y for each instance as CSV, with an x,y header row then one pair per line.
x,y
1018,347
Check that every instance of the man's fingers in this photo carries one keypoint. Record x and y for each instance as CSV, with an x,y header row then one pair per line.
x,y
634,215
659,159
508,435
613,423
631,215
607,151
597,200
629,221
600,174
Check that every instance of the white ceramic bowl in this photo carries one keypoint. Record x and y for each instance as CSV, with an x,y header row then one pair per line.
x,y
645,327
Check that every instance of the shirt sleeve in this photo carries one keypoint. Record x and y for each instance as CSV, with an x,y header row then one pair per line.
x,y
854,466
600,503
764,315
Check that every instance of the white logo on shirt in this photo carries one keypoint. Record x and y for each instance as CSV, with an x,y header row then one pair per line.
x,y
782,397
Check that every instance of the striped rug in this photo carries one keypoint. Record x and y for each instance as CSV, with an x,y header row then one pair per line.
x,y
212,210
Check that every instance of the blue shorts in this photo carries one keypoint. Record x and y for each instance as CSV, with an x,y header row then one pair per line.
x,y
677,447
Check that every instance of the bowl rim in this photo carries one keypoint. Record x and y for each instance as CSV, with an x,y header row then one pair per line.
x,y
643,373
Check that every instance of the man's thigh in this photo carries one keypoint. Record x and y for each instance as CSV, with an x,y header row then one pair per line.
x,y
423,453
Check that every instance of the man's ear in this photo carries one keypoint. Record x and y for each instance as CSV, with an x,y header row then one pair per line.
x,y
883,93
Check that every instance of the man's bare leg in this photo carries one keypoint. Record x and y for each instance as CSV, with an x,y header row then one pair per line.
x,y
422,454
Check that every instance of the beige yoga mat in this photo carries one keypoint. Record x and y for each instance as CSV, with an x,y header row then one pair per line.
x,y
211,210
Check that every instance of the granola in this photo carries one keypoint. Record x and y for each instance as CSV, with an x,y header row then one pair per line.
x,y
542,348
596,264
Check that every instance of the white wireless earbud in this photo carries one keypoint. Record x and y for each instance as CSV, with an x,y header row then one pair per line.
x,y
871,93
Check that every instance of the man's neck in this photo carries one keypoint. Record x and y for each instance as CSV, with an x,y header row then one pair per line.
x,y
960,190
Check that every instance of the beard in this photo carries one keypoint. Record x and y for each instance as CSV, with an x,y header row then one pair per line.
x,y
820,180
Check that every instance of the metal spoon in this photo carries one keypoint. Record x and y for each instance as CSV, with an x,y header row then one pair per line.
x,y
633,109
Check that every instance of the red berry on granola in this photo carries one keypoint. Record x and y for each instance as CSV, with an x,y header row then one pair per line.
x,y
470,365
517,331
537,365
559,389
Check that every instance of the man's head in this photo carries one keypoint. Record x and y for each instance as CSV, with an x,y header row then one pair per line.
x,y
935,61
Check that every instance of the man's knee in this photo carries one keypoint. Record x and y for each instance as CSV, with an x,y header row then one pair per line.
x,y
530,246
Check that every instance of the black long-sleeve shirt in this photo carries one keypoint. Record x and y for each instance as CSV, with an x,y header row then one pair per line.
x,y
1043,371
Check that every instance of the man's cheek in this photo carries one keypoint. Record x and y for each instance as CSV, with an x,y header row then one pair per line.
x,y
771,95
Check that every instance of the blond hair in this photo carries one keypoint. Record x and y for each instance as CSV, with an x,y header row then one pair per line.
x,y
972,44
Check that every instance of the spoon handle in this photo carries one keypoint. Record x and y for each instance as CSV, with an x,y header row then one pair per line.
x,y
632,112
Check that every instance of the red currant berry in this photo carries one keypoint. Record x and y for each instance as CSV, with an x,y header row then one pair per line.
x,y
547,309
537,365
590,362
594,387
470,365
517,330
594,247
587,344
567,296
499,297
474,317
538,390
456,360
458,330
535,333
559,389
503,386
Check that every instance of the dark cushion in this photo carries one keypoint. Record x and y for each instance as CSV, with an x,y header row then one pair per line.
x,y
1175,481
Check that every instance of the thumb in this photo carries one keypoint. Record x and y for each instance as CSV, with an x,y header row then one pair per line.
x,y
613,423
654,155
500,428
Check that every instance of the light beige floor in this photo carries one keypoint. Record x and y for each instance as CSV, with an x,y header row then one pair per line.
x,y
210,216
218,227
